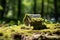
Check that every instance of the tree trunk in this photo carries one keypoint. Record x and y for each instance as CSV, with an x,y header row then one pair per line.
x,y
3,4
19,9
6,9
42,9
48,16
55,10
34,6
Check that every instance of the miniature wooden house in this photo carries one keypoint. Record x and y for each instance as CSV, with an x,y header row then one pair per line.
x,y
28,18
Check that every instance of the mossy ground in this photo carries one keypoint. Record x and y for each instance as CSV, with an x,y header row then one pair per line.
x,y
6,33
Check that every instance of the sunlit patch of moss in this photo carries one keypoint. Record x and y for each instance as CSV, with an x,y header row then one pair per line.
x,y
53,26
37,19
50,26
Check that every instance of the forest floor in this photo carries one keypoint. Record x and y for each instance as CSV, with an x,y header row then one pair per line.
x,y
16,33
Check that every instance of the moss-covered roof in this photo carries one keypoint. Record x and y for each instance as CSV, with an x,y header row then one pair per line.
x,y
34,15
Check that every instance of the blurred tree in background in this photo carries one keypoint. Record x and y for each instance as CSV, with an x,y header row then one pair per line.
x,y
16,9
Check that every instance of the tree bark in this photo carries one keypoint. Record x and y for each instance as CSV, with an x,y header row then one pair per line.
x,y
19,9
3,4
48,16
35,7
42,9
55,10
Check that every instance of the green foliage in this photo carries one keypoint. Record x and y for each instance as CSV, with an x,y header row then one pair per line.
x,y
47,22
1,8
11,23
19,22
